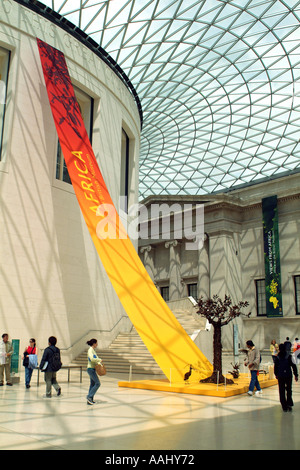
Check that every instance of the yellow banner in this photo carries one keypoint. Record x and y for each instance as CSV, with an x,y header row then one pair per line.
x,y
167,341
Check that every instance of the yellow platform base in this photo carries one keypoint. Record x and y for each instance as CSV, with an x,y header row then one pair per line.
x,y
241,385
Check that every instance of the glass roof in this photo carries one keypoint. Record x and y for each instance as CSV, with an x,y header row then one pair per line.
x,y
219,84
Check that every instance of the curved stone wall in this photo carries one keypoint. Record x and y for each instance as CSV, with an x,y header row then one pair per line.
x,y
51,280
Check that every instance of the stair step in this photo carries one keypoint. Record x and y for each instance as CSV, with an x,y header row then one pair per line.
x,y
128,349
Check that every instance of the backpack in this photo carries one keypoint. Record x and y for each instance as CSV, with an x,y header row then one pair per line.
x,y
55,362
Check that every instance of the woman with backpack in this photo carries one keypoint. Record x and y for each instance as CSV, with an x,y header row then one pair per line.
x,y
50,364
284,368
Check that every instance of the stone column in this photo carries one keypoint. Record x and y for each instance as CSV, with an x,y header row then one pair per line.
x,y
148,261
174,270
203,269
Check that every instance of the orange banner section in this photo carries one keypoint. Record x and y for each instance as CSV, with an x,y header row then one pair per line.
x,y
167,341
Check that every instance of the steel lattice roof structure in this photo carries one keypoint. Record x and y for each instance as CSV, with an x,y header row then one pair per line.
x,y
218,81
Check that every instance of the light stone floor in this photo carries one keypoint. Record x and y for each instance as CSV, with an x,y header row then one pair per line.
x,y
132,420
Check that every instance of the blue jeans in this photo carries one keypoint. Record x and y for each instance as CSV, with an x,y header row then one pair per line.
x,y
94,384
254,381
28,374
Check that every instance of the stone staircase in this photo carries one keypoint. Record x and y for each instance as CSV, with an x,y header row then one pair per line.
x,y
126,350
189,322
129,350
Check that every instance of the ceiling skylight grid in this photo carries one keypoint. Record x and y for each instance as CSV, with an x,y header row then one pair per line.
x,y
218,80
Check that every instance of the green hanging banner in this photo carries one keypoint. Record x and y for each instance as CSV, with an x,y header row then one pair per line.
x,y
272,257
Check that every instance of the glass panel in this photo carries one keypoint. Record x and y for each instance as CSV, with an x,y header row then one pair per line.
x,y
193,63
261,298
165,293
297,294
86,107
4,65
193,290
124,188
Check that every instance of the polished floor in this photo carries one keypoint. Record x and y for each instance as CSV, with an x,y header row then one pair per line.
x,y
131,420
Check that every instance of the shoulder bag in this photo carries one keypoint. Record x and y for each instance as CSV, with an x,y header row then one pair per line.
x,y
100,369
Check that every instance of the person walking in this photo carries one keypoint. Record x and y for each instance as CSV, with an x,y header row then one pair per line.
x,y
6,353
93,360
288,345
284,368
50,364
274,349
253,361
30,350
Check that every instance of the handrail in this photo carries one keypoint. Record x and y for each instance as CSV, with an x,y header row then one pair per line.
x,y
87,332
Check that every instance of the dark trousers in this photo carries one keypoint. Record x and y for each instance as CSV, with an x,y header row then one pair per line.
x,y
50,379
285,392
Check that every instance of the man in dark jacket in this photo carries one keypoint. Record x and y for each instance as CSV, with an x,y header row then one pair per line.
x,y
283,367
288,345
50,364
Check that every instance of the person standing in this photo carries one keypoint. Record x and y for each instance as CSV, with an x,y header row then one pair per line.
x,y
7,352
93,360
274,349
31,349
288,345
296,351
283,372
296,345
253,361
50,364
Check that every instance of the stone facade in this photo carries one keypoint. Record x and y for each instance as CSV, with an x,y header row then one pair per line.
x,y
231,259
52,281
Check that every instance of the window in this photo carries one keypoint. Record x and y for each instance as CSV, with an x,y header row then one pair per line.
x,y
124,187
261,297
297,293
193,290
4,66
165,293
86,104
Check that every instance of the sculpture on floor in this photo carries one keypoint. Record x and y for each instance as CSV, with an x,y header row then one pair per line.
x,y
219,313
236,370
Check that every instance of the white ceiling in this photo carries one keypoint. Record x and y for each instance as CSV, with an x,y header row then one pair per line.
x,y
219,84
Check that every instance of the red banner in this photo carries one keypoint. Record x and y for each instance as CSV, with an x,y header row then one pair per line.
x,y
165,338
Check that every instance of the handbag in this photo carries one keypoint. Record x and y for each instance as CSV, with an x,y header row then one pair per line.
x,y
100,369
25,360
